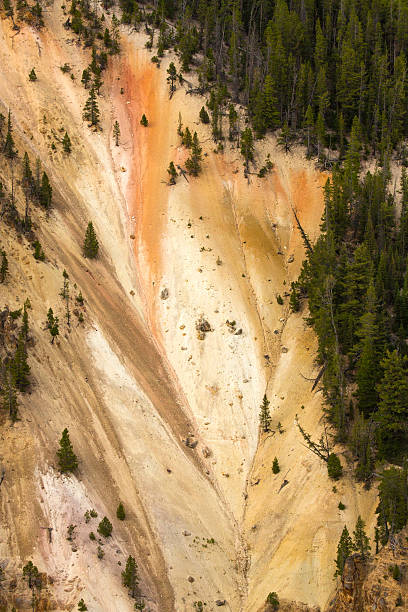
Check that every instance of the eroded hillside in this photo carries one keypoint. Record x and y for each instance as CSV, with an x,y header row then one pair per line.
x,y
162,417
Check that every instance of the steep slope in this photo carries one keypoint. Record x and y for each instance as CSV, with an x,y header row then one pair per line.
x,y
135,382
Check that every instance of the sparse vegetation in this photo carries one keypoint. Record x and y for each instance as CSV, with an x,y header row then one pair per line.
x,y
120,512
275,466
265,415
144,122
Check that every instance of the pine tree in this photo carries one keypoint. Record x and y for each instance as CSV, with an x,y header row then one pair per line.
x,y
204,115
27,179
86,77
269,107
67,459
285,137
368,371
91,244
82,606
361,543
144,121
344,549
130,577
9,396
52,324
9,147
193,163
172,173
30,571
172,72
91,109
19,368
116,132
265,415
3,266
45,191
187,139
105,527
392,414
275,466
309,125
120,512
32,76
247,147
66,143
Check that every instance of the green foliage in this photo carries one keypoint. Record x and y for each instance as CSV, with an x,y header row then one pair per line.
x,y
105,527
265,415
204,118
120,512
31,573
344,550
247,146
116,132
193,163
396,573
45,195
91,108
38,251
32,76
334,468
341,506
67,460
144,122
392,412
275,466
294,300
3,266
52,325
66,143
9,148
172,173
100,552
361,543
273,601
82,606
392,509
19,368
279,299
130,577
91,244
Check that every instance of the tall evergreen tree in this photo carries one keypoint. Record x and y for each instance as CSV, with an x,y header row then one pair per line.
x,y
91,109
361,543
344,549
392,414
67,460
130,577
265,415
91,244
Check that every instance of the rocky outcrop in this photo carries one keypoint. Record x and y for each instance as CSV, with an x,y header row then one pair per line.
x,y
376,584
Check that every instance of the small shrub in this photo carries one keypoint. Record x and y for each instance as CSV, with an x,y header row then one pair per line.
x,y
275,466
65,68
92,536
396,572
32,76
273,600
70,532
87,516
144,121
105,527
155,59
93,513
38,251
334,467
120,512
341,506
82,606
279,299
204,115
399,601
100,553
79,298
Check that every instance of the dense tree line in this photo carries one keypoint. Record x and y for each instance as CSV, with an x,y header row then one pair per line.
x,y
310,66
356,281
